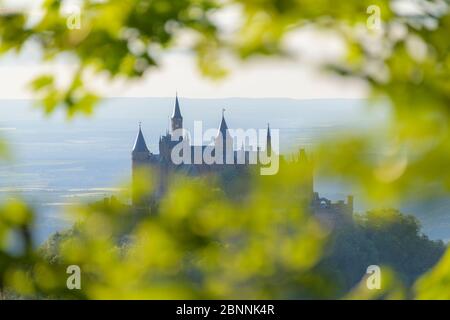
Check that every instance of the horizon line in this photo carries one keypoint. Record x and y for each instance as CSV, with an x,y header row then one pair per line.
x,y
194,98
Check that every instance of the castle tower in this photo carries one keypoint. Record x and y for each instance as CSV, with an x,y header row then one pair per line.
x,y
176,119
269,142
224,141
140,157
140,151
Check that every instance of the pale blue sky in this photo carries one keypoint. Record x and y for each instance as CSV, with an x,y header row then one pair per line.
x,y
258,78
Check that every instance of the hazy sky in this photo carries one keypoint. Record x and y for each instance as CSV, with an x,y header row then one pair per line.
x,y
258,78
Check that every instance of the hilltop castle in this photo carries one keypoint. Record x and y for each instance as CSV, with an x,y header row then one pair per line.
x,y
163,164
229,158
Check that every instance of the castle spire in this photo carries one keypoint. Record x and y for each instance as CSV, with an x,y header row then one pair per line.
x,y
223,128
224,133
177,119
224,139
139,144
140,157
269,141
176,110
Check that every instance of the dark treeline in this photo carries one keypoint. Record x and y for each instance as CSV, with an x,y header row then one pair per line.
x,y
385,238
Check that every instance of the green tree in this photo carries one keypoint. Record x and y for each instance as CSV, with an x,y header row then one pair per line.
x,y
383,238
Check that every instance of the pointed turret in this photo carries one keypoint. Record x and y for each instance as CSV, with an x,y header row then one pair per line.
x,y
139,145
269,141
177,119
140,157
224,141
223,128
176,110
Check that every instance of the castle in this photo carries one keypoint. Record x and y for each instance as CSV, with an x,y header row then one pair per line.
x,y
230,158
163,165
